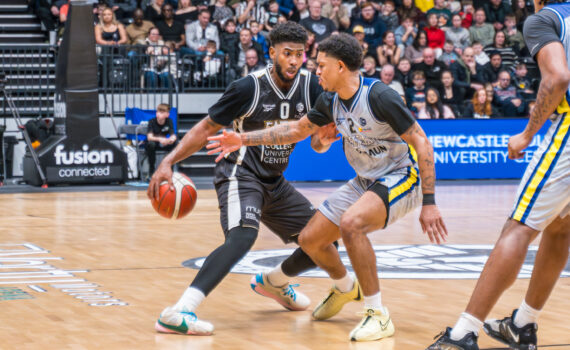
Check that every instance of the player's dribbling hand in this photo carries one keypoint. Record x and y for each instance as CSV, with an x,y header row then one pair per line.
x,y
327,134
224,144
163,173
517,144
432,224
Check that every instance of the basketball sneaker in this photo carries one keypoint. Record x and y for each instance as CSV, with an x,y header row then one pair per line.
x,y
374,325
284,295
182,322
507,333
444,342
333,303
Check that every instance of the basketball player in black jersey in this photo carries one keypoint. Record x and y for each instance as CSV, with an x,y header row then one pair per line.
x,y
250,183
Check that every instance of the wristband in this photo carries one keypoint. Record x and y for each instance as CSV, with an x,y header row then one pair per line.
x,y
429,199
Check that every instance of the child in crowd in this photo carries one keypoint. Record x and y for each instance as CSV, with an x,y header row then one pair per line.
x,y
257,37
523,83
369,65
448,56
481,57
416,95
513,36
272,16
403,73
229,37
389,16
211,64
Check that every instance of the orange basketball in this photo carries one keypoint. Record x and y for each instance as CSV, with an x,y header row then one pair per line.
x,y
178,203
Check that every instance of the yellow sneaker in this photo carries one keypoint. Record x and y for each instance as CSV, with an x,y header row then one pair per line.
x,y
374,325
333,303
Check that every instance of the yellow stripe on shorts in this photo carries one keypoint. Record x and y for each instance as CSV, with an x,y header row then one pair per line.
x,y
404,187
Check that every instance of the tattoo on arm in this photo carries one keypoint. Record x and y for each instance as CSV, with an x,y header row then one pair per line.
x,y
546,103
424,151
282,134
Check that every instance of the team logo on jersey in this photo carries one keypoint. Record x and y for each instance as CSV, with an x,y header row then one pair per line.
x,y
362,121
268,107
300,107
458,261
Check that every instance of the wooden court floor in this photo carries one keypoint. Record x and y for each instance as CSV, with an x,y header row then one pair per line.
x,y
94,270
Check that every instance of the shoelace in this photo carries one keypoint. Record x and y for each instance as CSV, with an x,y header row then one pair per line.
x,y
290,292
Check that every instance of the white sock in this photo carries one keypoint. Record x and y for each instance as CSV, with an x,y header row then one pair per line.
x,y
190,300
525,315
345,284
374,302
465,324
277,277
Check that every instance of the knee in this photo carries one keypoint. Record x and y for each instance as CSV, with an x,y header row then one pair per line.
x,y
242,238
310,242
350,227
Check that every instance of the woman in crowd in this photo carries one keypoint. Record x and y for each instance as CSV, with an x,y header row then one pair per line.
x,y
414,51
508,55
185,11
109,32
451,95
481,106
389,52
434,108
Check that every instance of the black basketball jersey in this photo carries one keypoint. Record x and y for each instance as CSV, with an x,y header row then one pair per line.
x,y
255,102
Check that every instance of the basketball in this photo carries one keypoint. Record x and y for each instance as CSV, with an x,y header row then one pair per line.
x,y
178,203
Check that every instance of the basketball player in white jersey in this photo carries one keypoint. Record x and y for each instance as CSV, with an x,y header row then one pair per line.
x,y
542,201
250,185
377,131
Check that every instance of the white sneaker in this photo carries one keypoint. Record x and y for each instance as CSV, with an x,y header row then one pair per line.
x,y
284,295
374,325
182,322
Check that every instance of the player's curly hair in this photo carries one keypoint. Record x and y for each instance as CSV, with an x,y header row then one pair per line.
x,y
345,48
288,32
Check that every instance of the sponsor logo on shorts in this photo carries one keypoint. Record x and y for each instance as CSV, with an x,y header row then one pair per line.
x,y
458,261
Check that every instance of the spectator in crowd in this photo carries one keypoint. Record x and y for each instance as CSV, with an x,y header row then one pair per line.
x,y
237,55
490,89
286,7
435,36
513,36
490,71
467,73
170,29
374,27
443,15
229,37
358,33
416,95
495,12
389,52
272,17
434,108
250,10
508,55
311,65
161,135
252,62
481,107
387,77
139,29
301,11
211,65
199,32
451,94
369,68
405,33
448,55
123,9
523,83
481,31
321,26
520,11
47,13
153,12
431,67
467,14
507,97
404,73
408,9
389,16
458,35
258,38
109,31
185,12
282,19
220,13
311,45
480,56
336,12
414,52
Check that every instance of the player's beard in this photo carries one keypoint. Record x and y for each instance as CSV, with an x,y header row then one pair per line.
x,y
278,69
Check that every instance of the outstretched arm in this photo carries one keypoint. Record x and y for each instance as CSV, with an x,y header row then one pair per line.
x,y
430,218
322,139
551,60
282,134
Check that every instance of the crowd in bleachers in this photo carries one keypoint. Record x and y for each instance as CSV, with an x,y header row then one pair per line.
x,y
447,59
